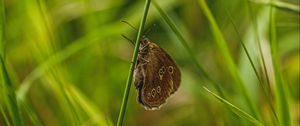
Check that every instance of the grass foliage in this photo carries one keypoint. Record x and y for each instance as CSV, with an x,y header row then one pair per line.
x,y
65,62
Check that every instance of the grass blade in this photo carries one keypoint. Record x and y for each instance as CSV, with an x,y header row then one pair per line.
x,y
97,117
237,110
280,5
266,90
8,87
60,56
220,41
10,96
281,100
2,24
134,58
24,105
4,116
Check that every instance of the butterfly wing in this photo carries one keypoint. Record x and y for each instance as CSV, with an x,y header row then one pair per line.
x,y
161,78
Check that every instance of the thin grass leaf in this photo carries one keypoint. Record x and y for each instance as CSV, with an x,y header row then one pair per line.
x,y
266,92
280,5
2,25
8,88
134,58
10,96
281,94
257,37
71,104
237,110
44,23
17,116
7,123
30,113
221,43
244,47
43,10
62,55
96,116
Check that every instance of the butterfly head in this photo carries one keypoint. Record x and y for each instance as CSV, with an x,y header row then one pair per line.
x,y
144,40
144,43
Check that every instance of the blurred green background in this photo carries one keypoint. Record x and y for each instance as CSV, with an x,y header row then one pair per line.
x,y
68,63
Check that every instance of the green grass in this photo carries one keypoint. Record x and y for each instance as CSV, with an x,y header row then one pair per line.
x,y
264,82
281,100
280,5
221,43
2,25
7,87
8,93
237,110
65,63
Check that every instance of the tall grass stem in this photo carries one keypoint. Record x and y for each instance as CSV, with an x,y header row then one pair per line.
x,y
281,94
221,43
133,62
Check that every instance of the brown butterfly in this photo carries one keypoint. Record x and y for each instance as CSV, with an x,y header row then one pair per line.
x,y
156,76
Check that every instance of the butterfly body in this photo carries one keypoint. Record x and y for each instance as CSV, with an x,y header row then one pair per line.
x,y
156,75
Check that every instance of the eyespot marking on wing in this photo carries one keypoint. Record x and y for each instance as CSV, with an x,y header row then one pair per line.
x,y
158,89
148,95
153,92
171,69
161,72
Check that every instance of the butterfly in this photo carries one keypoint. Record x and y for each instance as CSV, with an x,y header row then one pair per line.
x,y
156,75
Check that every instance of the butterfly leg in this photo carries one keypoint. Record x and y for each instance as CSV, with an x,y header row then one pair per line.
x,y
145,61
142,60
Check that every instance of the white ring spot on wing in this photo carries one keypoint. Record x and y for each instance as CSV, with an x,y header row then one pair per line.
x,y
171,69
161,72
148,95
158,89
153,92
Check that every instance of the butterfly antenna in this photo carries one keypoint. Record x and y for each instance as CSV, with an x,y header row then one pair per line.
x,y
129,25
149,29
127,39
